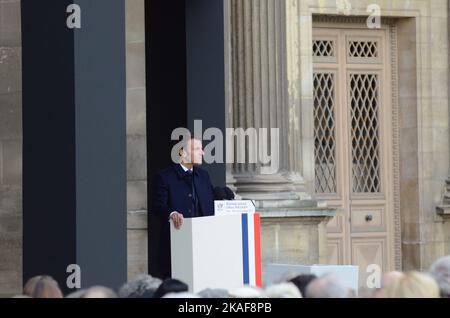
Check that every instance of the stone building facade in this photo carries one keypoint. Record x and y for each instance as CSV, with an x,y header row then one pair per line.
x,y
352,102
278,63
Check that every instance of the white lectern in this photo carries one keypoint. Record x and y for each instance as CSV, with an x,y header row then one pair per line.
x,y
222,251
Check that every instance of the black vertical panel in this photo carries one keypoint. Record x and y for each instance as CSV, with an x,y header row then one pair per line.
x,y
74,165
166,98
49,215
100,117
206,72
166,77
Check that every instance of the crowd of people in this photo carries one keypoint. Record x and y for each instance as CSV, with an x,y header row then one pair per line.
x,y
434,283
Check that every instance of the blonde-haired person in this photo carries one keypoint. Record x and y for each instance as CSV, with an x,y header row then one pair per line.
x,y
283,290
42,286
413,285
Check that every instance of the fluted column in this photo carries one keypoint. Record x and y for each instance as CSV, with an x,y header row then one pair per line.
x,y
259,98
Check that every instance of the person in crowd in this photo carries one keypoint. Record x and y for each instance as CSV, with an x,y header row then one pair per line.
x,y
42,286
440,271
283,290
214,293
181,295
386,280
169,286
328,286
143,286
413,285
302,281
98,292
76,294
246,292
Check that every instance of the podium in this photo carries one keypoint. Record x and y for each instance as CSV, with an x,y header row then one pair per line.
x,y
222,251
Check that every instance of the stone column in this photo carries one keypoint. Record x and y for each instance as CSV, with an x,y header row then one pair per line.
x,y
260,99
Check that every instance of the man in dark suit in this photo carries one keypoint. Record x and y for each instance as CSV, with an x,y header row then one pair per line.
x,y
180,191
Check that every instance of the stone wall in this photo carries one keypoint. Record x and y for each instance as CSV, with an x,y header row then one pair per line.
x,y
10,148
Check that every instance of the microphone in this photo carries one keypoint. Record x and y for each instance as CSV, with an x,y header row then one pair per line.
x,y
229,195
219,193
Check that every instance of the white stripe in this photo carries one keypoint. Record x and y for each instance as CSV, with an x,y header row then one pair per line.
x,y
251,249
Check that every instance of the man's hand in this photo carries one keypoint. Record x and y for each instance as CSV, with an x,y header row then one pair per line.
x,y
177,219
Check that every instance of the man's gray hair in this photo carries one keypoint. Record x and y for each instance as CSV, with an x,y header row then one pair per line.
x,y
283,290
247,291
214,293
143,286
93,292
440,271
98,292
181,295
327,286
76,294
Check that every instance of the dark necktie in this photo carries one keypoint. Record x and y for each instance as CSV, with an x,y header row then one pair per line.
x,y
190,179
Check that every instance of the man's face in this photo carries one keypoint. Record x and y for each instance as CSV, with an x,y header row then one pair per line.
x,y
194,152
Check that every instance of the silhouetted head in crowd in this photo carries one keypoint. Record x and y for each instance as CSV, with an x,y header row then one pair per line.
x,y
387,280
328,286
301,281
98,292
169,286
283,290
181,295
413,285
247,292
440,270
214,293
143,286
76,294
42,287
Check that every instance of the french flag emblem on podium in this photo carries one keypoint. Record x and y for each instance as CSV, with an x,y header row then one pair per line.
x,y
251,249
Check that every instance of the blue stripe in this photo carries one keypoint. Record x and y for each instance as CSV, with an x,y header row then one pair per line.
x,y
245,261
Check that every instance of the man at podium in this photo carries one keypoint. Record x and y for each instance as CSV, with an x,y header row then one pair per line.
x,y
180,191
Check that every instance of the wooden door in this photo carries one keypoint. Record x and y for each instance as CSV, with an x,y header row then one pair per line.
x,y
353,146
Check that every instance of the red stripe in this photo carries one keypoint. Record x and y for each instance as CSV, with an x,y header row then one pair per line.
x,y
257,250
